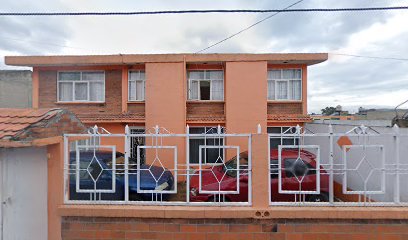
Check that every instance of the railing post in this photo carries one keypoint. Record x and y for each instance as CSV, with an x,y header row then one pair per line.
x,y
397,164
188,163
331,163
127,152
260,170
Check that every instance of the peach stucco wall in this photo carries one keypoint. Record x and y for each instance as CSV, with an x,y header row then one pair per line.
x,y
166,103
246,96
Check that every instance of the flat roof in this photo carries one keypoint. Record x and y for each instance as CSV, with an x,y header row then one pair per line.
x,y
129,59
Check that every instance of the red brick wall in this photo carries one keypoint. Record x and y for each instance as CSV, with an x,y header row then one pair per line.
x,y
248,229
200,109
113,94
285,108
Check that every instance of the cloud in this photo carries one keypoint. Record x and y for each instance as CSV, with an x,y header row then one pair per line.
x,y
32,35
342,80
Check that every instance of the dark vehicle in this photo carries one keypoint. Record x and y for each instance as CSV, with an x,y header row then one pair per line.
x,y
100,172
296,174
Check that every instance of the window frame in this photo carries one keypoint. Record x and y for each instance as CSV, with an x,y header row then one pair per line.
x,y
283,138
189,80
135,81
206,128
73,82
287,82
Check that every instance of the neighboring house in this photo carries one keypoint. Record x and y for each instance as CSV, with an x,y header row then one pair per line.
x,y
338,114
30,163
332,117
236,91
15,88
379,114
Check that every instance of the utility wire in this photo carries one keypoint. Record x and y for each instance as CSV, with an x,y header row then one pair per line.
x,y
250,26
202,11
371,57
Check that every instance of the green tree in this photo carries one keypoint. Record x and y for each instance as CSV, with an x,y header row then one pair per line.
x,y
328,111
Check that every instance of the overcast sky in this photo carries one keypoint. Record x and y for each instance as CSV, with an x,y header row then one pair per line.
x,y
347,81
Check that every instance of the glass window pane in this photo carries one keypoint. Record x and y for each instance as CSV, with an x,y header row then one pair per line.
x,y
274,74
194,90
288,74
217,90
65,91
69,76
205,90
196,75
142,75
81,91
282,88
132,90
140,90
134,75
197,130
295,89
215,75
298,74
194,149
271,90
96,91
95,76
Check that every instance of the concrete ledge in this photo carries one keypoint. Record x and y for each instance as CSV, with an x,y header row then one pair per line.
x,y
234,212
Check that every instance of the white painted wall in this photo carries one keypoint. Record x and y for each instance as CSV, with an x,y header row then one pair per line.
x,y
373,155
23,193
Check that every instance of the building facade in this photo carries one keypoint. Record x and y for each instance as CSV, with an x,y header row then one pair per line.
x,y
236,91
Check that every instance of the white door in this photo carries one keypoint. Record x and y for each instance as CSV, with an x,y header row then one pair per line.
x,y
23,193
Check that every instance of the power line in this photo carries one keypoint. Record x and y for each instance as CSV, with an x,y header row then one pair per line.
x,y
371,57
203,11
250,26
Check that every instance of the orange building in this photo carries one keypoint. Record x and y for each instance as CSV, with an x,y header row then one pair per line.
x,y
238,91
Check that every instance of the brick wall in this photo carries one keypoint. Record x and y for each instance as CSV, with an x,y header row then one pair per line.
x,y
200,109
284,108
113,94
248,229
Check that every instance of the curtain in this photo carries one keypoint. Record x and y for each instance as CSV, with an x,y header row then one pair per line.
x,y
295,89
96,92
81,91
274,74
65,91
194,90
140,90
271,90
282,87
217,89
132,90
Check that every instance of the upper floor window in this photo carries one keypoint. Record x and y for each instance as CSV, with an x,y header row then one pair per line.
x,y
285,84
206,85
136,85
81,86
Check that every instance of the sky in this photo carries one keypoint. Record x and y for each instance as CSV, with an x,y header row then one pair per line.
x,y
343,80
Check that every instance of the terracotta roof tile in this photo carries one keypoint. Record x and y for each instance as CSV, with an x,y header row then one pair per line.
x,y
124,117
289,117
13,120
209,118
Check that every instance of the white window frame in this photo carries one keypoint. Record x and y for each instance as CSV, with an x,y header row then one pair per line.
x,y
73,82
282,133
287,82
137,80
206,129
207,80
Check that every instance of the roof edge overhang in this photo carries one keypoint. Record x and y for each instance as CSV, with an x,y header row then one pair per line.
x,y
131,59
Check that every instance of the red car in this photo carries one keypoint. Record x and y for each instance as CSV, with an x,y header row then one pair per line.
x,y
297,174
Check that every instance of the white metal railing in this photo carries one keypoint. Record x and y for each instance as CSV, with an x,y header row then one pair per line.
x,y
358,167
102,171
